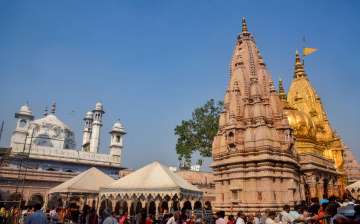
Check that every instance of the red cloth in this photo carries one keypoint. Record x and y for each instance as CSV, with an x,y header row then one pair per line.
x,y
148,221
123,219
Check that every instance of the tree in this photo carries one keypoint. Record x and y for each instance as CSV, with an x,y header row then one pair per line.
x,y
197,134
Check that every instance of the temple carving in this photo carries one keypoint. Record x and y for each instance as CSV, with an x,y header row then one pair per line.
x,y
272,148
254,160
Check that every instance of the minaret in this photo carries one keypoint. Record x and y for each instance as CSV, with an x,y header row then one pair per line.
x,y
88,120
254,162
116,143
24,116
53,108
96,125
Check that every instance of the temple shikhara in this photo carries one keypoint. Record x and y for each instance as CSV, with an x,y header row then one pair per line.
x,y
272,148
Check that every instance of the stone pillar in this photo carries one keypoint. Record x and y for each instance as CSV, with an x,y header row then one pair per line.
x,y
181,204
157,204
129,206
113,202
147,208
320,185
170,204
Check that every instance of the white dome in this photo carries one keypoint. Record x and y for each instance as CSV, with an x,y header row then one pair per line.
x,y
52,132
118,127
51,119
98,106
25,109
89,115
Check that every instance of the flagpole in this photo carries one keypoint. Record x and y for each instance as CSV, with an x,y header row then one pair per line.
x,y
304,46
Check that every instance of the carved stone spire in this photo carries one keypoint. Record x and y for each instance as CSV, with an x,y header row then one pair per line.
x,y
251,129
244,25
281,91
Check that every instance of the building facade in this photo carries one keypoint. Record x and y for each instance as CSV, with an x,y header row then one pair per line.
x,y
272,148
254,159
43,153
351,166
320,150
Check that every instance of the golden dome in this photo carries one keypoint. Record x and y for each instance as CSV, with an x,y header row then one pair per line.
x,y
303,125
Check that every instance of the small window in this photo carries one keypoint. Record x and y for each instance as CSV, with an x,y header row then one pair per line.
x,y
117,138
22,123
235,195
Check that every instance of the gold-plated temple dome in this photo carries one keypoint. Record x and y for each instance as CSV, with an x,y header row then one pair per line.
x,y
301,123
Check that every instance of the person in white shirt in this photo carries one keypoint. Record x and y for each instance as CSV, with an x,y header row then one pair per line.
x,y
271,218
286,218
220,217
174,218
240,218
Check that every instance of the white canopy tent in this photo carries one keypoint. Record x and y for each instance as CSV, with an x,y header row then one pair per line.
x,y
89,181
154,188
153,179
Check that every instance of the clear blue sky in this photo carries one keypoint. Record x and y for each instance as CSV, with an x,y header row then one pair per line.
x,y
152,62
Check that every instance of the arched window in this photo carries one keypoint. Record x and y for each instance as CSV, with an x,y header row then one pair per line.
x,y
22,123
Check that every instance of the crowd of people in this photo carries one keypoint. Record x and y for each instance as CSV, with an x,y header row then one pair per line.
x,y
325,211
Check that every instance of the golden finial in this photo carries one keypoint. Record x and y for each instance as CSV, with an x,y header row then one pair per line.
x,y
299,66
272,87
244,26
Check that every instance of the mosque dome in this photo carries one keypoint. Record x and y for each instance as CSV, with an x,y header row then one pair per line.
x,y
89,115
25,110
98,106
303,125
118,127
52,132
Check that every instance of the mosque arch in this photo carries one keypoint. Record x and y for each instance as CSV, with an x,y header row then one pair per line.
x,y
37,198
55,201
207,205
197,205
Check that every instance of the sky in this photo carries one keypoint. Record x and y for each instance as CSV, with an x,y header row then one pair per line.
x,y
152,62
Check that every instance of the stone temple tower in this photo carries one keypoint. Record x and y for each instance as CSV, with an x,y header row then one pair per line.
x,y
96,126
254,161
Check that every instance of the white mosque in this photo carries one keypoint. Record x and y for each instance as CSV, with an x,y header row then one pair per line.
x,y
43,152
52,142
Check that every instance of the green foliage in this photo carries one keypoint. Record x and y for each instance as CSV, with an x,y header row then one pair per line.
x,y
197,134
